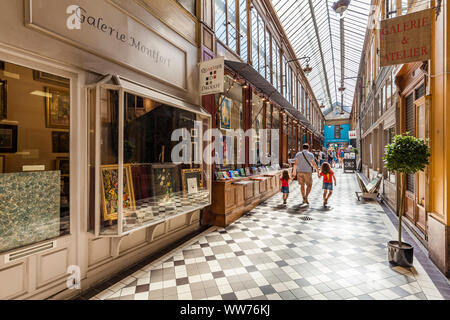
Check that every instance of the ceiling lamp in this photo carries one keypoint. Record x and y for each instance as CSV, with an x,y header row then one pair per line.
x,y
307,70
340,6
341,89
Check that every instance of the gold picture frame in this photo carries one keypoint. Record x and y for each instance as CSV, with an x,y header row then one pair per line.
x,y
109,183
57,108
191,173
52,79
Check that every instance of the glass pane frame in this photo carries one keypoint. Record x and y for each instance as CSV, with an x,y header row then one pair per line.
x,y
123,87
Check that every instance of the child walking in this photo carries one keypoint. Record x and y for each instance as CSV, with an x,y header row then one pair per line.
x,y
285,179
328,177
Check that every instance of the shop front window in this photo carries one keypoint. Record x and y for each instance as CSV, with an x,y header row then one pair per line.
x,y
257,123
231,118
35,110
268,125
131,154
276,118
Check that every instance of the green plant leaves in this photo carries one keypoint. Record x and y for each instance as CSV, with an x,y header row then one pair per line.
x,y
407,154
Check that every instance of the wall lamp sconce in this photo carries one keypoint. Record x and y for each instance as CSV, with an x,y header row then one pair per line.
x,y
307,70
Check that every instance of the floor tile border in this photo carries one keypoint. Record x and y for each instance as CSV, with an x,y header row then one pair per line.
x,y
420,253
148,262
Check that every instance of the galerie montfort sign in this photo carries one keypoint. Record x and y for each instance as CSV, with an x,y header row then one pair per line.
x,y
406,38
103,29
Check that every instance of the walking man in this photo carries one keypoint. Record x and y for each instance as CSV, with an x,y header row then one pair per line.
x,y
303,169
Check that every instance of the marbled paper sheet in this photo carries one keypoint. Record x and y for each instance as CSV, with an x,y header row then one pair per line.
x,y
29,208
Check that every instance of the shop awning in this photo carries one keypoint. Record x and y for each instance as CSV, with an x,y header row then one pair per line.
x,y
246,71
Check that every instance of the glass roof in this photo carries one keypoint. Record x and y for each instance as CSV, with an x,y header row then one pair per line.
x,y
313,29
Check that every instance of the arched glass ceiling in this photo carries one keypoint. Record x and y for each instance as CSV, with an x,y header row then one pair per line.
x,y
313,28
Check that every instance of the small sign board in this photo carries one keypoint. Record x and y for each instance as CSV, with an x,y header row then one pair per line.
x,y
352,135
212,76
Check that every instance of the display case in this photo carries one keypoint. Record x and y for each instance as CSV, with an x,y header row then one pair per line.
x,y
135,134
233,197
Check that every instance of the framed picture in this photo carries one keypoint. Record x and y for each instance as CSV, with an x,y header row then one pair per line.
x,y
8,138
2,164
110,190
49,78
60,142
192,185
63,165
191,175
65,191
165,179
3,101
225,114
57,108
247,172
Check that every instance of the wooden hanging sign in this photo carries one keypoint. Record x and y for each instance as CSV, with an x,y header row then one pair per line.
x,y
406,38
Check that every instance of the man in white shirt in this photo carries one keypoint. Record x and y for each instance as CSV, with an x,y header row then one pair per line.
x,y
303,169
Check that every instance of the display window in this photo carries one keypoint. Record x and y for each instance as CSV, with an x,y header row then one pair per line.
x,y
35,128
268,125
258,106
130,154
230,117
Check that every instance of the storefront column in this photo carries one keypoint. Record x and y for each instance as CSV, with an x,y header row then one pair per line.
x,y
439,204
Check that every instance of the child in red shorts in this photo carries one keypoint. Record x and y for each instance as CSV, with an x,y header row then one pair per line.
x,y
328,177
285,179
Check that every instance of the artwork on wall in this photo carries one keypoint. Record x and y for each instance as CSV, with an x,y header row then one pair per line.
x,y
3,100
57,108
110,191
225,113
165,179
63,165
8,138
49,78
60,142
30,208
193,175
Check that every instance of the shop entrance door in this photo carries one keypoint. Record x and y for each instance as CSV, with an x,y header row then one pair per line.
x,y
420,216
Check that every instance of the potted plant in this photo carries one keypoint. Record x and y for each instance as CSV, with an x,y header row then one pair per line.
x,y
406,155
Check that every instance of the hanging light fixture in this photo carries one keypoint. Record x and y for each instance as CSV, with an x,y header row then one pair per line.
x,y
307,70
340,6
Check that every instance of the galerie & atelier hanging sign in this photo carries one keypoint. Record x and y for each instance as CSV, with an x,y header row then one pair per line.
x,y
212,76
406,38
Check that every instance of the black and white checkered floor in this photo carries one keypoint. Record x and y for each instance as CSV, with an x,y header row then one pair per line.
x,y
286,252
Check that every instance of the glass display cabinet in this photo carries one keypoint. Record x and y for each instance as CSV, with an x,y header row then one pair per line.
x,y
130,154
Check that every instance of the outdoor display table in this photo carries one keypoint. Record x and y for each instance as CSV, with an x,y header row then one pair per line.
x,y
234,197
